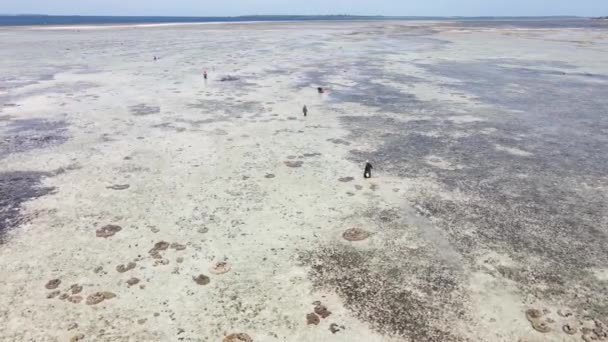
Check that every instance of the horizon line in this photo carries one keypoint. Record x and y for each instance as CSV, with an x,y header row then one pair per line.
x,y
298,15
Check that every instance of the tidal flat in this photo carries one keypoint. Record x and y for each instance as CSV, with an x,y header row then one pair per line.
x,y
142,202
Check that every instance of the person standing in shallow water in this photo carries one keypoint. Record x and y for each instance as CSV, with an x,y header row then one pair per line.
x,y
368,170
205,74
305,110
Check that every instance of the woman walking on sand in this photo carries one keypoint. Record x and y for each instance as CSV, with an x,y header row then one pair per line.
x,y
305,110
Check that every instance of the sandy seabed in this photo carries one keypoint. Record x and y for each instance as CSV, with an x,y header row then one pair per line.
x,y
140,202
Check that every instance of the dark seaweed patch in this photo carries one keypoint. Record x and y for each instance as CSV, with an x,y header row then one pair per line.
x,y
25,135
310,155
339,141
144,109
293,164
16,188
396,290
228,107
547,204
375,95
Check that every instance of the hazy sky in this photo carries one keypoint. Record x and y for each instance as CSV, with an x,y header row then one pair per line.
x,y
240,7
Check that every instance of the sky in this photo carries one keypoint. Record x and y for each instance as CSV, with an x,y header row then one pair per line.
x,y
353,7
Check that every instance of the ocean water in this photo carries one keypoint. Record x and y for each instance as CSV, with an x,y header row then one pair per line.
x,y
23,20
549,22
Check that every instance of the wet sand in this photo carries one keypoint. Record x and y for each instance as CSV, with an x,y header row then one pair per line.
x,y
140,202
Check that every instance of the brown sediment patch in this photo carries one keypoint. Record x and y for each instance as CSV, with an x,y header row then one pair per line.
x,y
72,326
76,288
159,246
346,179
534,317
53,294
269,175
75,299
124,268
179,260
599,332
355,234
77,338
99,297
334,328
569,329
290,163
219,267
312,318
118,187
161,262
533,314
133,281
64,296
238,337
178,246
321,310
564,313
108,295
201,279
588,338
155,254
108,230
52,284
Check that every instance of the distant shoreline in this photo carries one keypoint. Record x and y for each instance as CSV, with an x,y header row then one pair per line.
x,y
75,21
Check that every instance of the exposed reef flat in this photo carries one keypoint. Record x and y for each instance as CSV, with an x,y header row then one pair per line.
x,y
140,202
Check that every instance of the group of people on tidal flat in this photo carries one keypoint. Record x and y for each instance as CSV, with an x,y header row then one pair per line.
x,y
368,166
367,173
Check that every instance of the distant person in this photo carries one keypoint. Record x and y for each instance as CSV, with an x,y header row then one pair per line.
x,y
205,74
320,90
305,110
368,170
155,58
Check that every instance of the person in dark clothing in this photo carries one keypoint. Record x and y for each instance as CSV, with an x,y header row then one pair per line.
x,y
305,110
368,170
205,74
320,90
